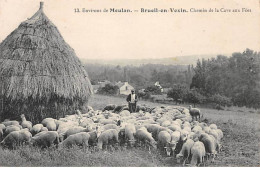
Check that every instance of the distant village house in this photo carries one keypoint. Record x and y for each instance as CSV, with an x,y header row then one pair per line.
x,y
125,89
158,85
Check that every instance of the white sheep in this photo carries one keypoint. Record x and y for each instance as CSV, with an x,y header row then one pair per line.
x,y
10,122
12,128
36,128
145,137
107,137
210,144
166,123
195,113
79,139
16,138
185,151
175,138
45,139
130,132
198,153
213,126
50,124
164,139
25,123
74,130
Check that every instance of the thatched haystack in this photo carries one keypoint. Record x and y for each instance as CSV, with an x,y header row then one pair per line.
x,y
40,74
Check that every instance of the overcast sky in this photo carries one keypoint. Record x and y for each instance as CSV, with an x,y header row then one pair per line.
x,y
143,35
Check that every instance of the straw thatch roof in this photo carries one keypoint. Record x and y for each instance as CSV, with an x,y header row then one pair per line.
x,y
40,73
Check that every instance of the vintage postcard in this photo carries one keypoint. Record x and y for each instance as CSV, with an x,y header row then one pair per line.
x,y
137,83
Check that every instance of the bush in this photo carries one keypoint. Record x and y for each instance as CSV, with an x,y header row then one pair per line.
x,y
153,90
193,96
144,95
177,93
220,100
109,89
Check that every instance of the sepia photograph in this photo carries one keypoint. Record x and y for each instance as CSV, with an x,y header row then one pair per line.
x,y
115,83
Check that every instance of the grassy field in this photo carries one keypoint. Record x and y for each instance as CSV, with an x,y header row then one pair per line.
x,y
240,144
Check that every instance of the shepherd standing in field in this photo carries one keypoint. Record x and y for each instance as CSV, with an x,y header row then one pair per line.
x,y
132,100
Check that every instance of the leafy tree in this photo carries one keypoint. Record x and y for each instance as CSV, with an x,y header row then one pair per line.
x,y
153,90
220,100
108,89
193,96
177,92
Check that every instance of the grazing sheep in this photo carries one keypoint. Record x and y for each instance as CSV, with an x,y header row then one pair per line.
x,y
80,139
2,126
120,108
36,128
164,139
175,127
210,145
109,107
1,134
187,128
11,128
50,124
166,123
220,134
107,121
45,139
196,128
110,126
86,122
154,129
144,136
93,137
175,139
107,137
213,126
183,138
25,123
16,138
75,130
198,153
185,151
10,122
206,129
124,113
214,133
195,113
43,129
179,121
185,124
130,132
203,124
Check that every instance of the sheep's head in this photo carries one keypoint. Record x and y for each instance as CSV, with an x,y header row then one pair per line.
x,y
168,150
172,145
179,157
184,135
99,130
132,142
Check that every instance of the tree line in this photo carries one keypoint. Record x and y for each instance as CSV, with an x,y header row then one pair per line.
x,y
141,76
222,80
236,78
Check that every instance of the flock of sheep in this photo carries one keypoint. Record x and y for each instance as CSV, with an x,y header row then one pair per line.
x,y
172,129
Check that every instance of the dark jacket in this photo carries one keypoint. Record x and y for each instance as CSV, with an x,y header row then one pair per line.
x,y
128,99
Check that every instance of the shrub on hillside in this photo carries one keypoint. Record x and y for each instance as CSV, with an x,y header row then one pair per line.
x,y
220,100
108,89
153,90
193,96
177,93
